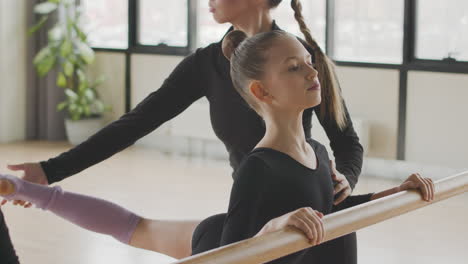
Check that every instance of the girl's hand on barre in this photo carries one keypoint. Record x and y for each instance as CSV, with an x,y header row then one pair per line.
x,y
34,173
424,185
305,219
414,181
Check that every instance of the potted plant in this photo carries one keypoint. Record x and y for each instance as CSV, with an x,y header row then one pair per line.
x,y
68,50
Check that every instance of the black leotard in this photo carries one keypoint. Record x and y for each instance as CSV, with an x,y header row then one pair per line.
x,y
269,184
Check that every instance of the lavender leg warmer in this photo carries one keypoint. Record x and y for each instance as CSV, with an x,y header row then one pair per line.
x,y
88,212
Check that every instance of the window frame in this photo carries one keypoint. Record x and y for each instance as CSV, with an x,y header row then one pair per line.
x,y
448,62
137,47
409,61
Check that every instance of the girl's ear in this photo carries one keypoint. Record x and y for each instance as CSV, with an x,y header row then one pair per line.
x,y
257,89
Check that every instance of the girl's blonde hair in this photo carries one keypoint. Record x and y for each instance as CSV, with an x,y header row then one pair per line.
x,y
248,57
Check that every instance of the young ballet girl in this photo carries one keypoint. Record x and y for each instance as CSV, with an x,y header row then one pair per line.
x,y
285,171
284,181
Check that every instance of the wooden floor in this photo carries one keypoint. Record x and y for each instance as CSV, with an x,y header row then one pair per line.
x,y
165,187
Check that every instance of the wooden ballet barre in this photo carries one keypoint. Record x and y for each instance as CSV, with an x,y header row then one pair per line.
x,y
271,246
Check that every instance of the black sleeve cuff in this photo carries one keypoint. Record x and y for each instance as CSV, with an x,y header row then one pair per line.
x,y
48,172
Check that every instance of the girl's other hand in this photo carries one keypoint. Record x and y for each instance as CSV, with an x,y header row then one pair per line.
x,y
305,219
424,185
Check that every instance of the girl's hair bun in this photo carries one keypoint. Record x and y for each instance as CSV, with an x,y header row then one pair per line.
x,y
232,41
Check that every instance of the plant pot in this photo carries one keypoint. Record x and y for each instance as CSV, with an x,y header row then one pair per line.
x,y
80,130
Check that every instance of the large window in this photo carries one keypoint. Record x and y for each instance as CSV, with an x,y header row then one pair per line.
x,y
163,23
369,31
105,28
364,32
442,30
314,15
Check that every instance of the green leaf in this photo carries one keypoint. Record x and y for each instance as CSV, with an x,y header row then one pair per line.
x,y
62,106
83,81
71,94
89,94
87,110
66,48
68,2
81,75
45,65
79,110
45,8
86,53
69,24
68,68
55,34
81,35
61,80
38,25
83,86
72,107
55,1
42,55
72,59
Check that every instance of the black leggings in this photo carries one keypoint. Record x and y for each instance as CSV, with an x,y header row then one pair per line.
x,y
207,236
7,252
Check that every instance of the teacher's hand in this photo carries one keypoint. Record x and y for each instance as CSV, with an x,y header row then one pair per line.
x,y
342,185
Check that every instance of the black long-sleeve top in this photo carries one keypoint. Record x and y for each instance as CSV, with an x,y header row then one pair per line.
x,y
205,73
270,183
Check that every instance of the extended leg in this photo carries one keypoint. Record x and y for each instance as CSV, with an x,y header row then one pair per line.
x,y
85,211
172,238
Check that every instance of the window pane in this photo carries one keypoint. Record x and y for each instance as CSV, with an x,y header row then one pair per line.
x,y
208,30
442,30
106,29
369,31
163,22
314,15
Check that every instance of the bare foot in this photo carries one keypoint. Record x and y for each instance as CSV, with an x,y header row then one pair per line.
x,y
6,187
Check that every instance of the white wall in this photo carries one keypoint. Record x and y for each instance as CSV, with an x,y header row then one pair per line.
x,y
437,121
13,29
372,95
112,91
148,74
188,133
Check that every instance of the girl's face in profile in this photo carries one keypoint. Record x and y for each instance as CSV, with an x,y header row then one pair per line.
x,y
290,77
